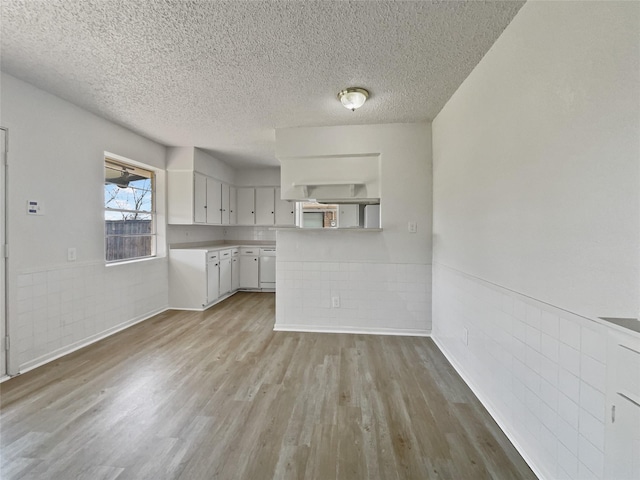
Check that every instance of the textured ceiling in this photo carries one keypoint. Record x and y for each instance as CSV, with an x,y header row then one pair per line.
x,y
223,75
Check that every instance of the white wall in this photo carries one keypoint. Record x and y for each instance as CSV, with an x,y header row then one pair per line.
x,y
537,224
536,159
382,278
258,177
57,157
205,163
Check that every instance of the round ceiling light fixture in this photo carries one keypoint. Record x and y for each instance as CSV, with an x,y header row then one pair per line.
x,y
353,97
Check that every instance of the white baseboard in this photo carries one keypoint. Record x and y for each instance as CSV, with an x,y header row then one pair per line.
x,y
61,352
494,412
405,332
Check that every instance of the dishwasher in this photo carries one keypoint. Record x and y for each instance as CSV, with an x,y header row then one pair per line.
x,y
268,268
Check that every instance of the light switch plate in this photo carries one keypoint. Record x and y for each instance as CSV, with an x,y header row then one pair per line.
x,y
34,207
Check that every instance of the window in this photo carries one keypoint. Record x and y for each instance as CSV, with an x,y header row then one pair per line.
x,y
129,213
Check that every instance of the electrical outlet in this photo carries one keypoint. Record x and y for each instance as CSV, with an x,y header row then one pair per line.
x,y
413,227
335,302
71,254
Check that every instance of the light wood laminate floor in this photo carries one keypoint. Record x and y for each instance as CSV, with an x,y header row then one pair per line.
x,y
219,395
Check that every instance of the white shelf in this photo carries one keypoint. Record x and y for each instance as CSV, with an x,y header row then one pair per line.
x,y
309,185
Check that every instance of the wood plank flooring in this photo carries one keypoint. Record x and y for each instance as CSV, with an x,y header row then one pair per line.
x,y
219,395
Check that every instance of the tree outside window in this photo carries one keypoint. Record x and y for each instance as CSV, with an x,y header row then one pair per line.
x,y
129,212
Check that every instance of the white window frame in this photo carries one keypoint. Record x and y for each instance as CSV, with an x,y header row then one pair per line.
x,y
125,162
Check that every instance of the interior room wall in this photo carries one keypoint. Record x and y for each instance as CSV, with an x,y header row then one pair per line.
x,y
383,279
57,157
180,234
537,224
258,177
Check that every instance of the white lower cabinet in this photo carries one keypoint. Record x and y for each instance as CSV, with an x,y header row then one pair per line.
x,y
225,276
213,277
225,272
235,273
249,268
199,277
622,459
188,279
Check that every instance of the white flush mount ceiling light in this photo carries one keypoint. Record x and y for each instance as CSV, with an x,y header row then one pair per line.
x,y
353,97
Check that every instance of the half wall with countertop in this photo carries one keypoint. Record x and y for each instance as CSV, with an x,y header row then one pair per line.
x,y
361,282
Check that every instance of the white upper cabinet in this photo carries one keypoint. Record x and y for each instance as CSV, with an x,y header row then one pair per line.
x,y
214,201
233,206
199,198
194,194
285,210
265,206
225,205
200,192
246,206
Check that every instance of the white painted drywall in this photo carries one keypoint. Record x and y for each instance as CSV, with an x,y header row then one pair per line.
x,y
258,177
57,157
209,165
536,160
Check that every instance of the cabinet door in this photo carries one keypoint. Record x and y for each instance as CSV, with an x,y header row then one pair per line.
x,y
225,276
199,198
285,210
214,201
225,203
249,272
213,281
265,206
235,274
623,407
233,206
349,216
246,206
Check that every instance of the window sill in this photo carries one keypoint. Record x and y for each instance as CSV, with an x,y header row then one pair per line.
x,y
134,260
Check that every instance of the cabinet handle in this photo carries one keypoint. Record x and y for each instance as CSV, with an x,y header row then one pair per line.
x,y
255,259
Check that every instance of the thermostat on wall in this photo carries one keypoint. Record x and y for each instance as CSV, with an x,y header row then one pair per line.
x,y
34,208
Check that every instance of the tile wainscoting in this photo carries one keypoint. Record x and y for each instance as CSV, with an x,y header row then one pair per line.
x,y
539,370
60,309
376,298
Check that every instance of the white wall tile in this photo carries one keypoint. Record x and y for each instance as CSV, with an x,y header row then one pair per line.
x,y
567,463
372,295
592,400
569,359
554,379
569,333
61,306
591,457
593,372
